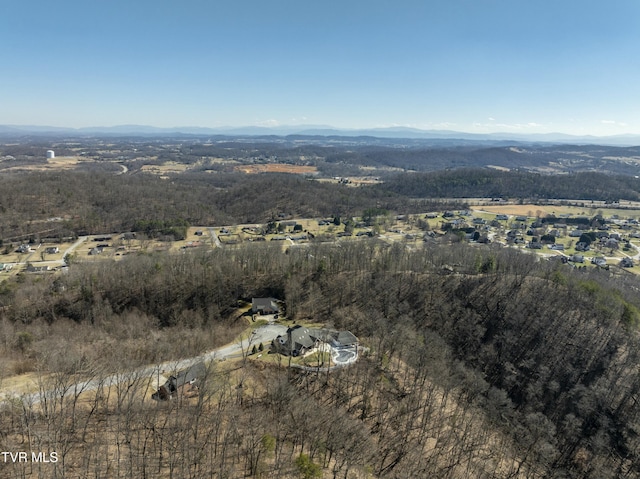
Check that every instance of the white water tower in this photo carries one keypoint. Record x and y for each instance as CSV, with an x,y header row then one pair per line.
x,y
50,154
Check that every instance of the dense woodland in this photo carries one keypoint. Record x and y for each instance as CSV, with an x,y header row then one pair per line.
x,y
482,362
487,183
102,202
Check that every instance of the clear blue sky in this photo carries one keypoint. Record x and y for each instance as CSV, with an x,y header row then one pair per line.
x,y
468,65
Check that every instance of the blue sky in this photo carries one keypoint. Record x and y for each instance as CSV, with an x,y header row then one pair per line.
x,y
477,66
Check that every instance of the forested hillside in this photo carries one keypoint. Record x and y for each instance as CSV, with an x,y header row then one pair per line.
x,y
103,202
481,363
487,183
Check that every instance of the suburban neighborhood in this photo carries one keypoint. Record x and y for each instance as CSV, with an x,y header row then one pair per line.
x,y
579,236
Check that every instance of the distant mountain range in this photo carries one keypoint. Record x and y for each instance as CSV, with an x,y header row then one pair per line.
x,y
321,131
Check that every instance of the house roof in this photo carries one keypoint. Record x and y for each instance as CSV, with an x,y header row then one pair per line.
x,y
300,336
264,303
346,338
307,336
196,371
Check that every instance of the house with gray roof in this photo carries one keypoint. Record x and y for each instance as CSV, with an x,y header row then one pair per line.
x,y
299,340
264,306
183,382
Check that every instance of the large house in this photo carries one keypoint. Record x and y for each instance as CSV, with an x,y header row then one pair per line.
x,y
264,306
299,340
184,382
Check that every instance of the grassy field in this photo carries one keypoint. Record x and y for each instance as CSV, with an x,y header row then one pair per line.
x,y
276,168
544,210
163,169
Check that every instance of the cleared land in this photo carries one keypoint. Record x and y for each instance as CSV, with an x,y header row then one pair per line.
x,y
543,210
277,168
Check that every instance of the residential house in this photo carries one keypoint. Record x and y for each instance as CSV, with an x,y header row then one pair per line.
x,y
300,340
264,306
611,243
183,383
297,341
37,269
582,246
626,262
288,224
577,258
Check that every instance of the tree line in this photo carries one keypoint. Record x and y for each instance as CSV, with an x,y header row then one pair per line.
x,y
488,183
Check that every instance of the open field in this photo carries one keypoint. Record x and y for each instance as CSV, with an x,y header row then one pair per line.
x,y
277,168
543,210
54,164
163,169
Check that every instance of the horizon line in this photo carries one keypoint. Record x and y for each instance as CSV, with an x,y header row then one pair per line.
x,y
44,128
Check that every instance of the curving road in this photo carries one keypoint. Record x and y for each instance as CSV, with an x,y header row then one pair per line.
x,y
263,334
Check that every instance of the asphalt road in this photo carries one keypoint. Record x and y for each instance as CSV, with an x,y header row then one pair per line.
x,y
263,334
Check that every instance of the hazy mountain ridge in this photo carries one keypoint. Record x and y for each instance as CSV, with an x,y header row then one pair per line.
x,y
326,131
